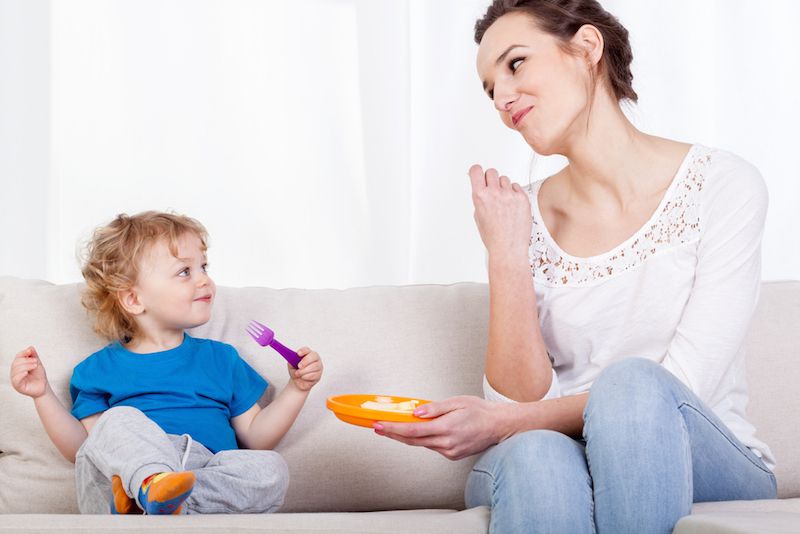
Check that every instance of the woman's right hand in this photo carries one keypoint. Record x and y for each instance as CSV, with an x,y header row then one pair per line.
x,y
459,426
502,212
27,374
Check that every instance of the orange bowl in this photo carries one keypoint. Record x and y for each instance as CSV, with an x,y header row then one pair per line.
x,y
348,409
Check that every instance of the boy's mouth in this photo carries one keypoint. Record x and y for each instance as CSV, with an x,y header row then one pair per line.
x,y
207,298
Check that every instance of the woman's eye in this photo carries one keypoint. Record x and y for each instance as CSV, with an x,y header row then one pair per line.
x,y
515,63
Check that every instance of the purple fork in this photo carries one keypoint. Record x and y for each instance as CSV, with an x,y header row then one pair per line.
x,y
264,336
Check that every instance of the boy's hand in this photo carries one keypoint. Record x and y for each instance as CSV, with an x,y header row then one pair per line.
x,y
27,374
308,372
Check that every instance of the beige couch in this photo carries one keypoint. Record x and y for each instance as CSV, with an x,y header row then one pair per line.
x,y
424,341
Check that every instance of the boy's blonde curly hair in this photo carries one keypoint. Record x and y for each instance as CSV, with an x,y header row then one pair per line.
x,y
112,260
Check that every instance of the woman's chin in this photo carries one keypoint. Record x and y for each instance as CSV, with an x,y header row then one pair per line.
x,y
541,146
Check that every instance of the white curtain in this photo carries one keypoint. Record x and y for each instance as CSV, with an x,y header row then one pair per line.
x,y
325,143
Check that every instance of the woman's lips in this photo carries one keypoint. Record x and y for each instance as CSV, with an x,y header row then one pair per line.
x,y
519,115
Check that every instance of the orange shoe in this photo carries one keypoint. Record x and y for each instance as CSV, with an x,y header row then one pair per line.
x,y
164,493
120,502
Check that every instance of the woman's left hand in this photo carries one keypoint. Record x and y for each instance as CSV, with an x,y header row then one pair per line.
x,y
463,426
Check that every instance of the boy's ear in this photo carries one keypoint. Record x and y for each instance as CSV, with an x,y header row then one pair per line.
x,y
130,302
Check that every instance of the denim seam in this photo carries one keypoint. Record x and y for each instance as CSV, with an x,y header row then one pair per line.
x,y
591,501
724,435
494,484
590,481
688,467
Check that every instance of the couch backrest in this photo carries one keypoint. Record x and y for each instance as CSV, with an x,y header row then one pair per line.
x,y
420,341
425,341
773,376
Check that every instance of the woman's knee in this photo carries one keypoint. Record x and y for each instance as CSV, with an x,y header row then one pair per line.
x,y
629,378
627,392
533,477
529,461
527,449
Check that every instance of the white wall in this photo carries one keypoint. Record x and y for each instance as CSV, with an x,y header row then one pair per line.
x,y
24,136
325,143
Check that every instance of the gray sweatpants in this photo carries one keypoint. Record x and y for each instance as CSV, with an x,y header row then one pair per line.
x,y
125,442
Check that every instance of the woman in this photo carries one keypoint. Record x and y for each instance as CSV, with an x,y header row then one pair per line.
x,y
621,289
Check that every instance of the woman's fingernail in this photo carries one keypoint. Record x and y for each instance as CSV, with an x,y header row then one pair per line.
x,y
420,412
378,427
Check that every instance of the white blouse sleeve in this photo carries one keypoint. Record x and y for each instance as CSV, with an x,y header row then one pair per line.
x,y
491,394
712,329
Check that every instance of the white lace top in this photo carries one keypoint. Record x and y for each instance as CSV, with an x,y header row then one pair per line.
x,y
680,291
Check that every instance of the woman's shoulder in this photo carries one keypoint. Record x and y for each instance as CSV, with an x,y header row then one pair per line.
x,y
544,194
533,188
727,178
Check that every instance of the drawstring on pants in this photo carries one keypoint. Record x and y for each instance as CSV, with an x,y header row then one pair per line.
x,y
186,452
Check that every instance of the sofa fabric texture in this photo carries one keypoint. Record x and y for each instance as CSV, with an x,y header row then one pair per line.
x,y
423,341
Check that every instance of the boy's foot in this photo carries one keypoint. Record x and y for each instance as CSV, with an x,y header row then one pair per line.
x,y
120,502
164,493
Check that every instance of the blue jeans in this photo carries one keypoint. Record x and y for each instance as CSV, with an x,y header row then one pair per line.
x,y
651,448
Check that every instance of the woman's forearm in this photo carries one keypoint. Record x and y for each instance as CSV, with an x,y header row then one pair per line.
x,y
516,359
564,414
66,432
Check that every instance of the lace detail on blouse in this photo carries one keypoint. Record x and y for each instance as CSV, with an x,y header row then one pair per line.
x,y
677,222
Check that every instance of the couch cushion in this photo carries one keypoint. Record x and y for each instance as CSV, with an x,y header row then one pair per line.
x,y
472,521
739,523
424,341
760,506
776,516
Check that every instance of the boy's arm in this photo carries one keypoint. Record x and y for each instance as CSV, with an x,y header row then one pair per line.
x,y
259,428
263,428
66,432
29,378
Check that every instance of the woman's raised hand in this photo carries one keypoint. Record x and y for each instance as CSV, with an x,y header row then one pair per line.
x,y
27,374
463,426
502,212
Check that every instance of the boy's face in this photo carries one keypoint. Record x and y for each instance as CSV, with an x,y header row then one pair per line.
x,y
175,293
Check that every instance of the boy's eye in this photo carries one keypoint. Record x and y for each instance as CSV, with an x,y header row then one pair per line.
x,y
184,272
515,63
205,267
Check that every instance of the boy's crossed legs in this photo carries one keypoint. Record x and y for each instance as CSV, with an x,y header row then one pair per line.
x,y
125,443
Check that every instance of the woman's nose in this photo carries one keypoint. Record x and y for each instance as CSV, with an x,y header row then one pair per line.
x,y
504,99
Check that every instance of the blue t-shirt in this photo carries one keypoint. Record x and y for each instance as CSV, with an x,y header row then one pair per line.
x,y
195,388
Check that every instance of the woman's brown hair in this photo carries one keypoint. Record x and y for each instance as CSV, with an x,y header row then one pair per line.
x,y
562,19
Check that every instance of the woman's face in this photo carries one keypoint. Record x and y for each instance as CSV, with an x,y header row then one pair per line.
x,y
538,89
